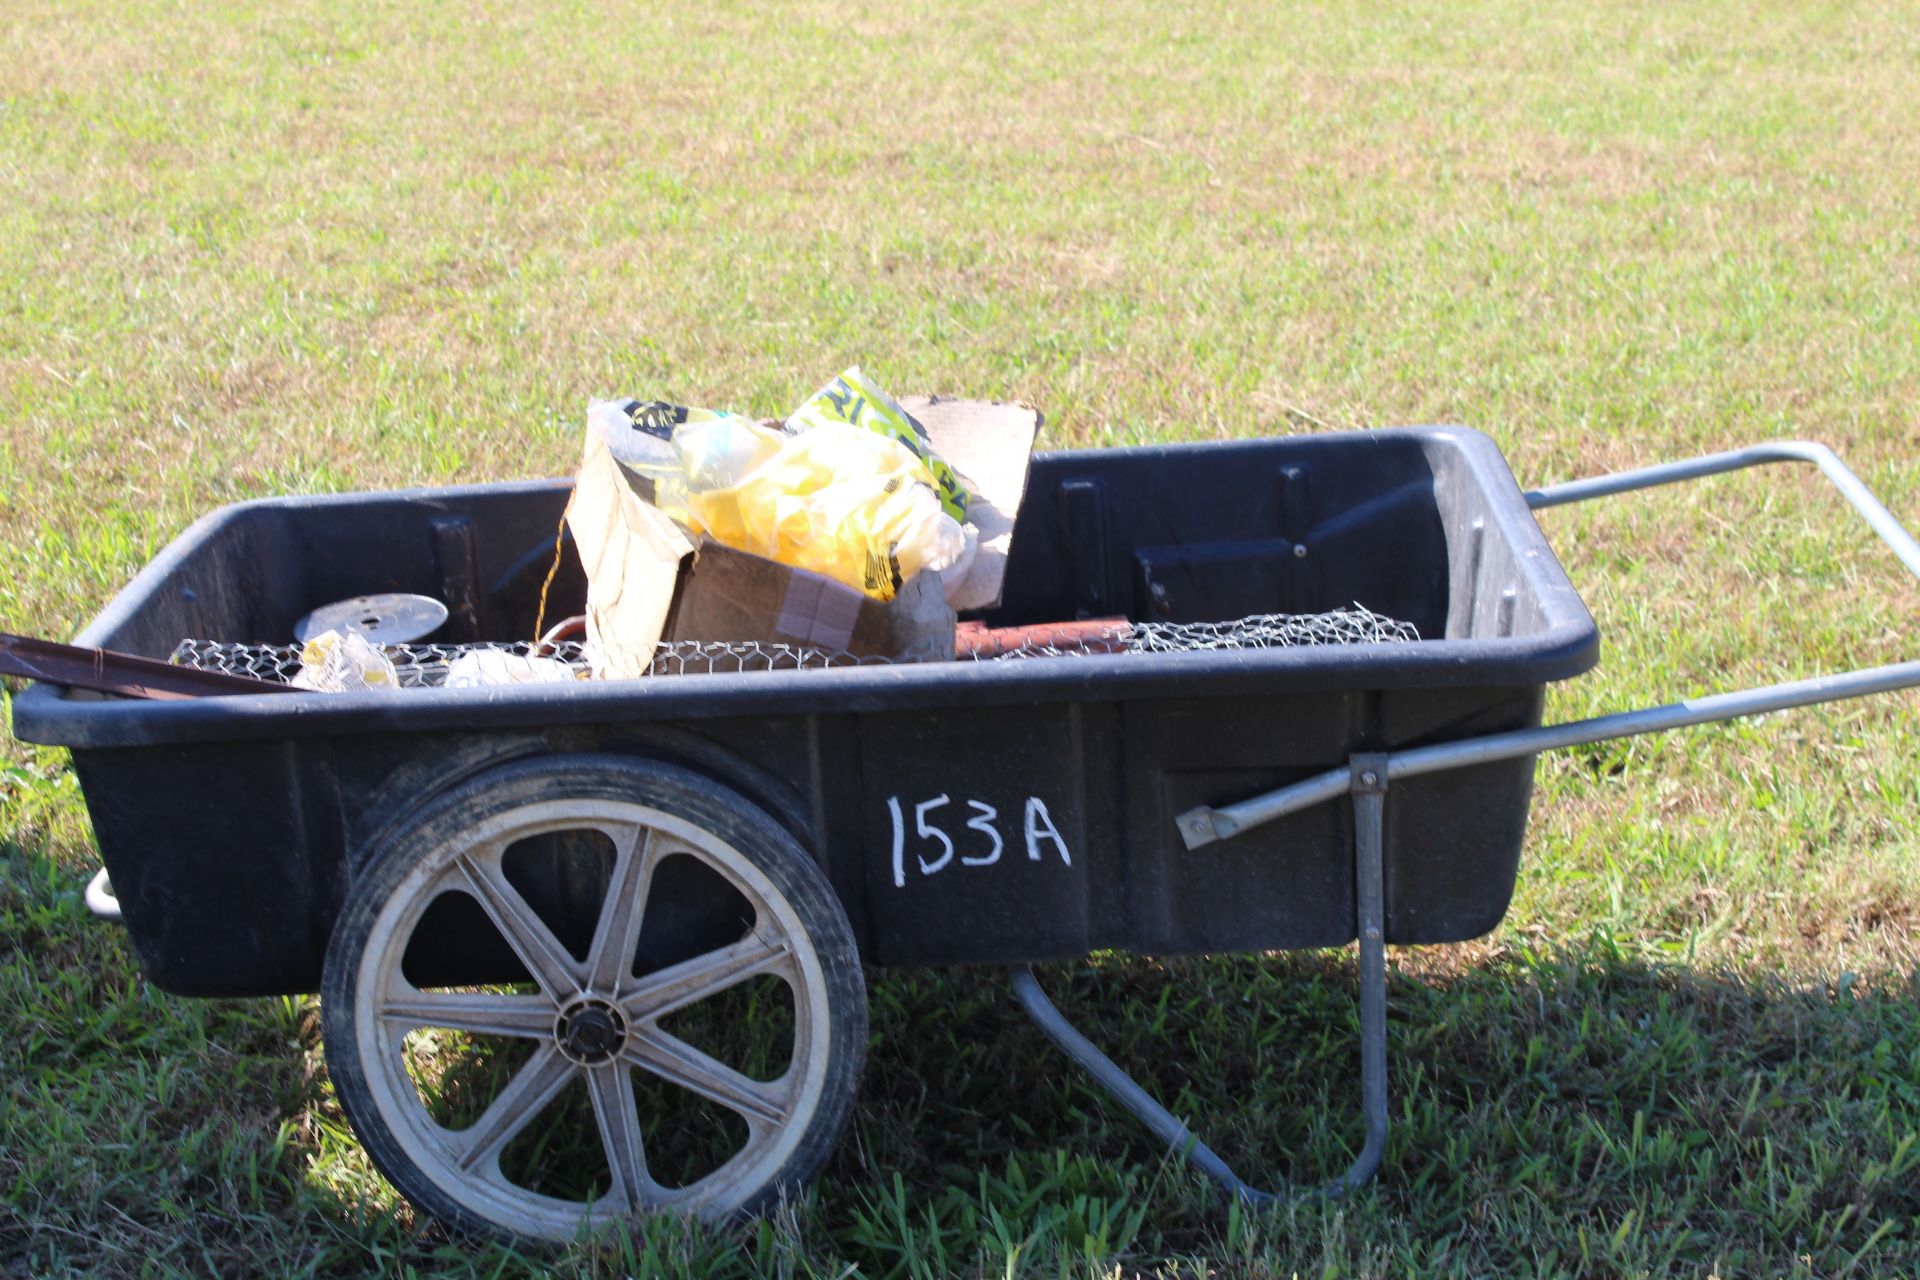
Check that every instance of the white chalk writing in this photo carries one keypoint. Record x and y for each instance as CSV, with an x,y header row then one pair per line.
x,y
1037,827
1040,827
932,833
983,823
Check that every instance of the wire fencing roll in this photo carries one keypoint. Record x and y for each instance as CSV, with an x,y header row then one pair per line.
x,y
420,666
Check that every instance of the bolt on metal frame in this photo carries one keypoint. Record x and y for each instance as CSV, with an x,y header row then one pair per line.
x,y
1367,777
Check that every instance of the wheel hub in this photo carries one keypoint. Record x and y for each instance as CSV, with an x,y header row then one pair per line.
x,y
590,1032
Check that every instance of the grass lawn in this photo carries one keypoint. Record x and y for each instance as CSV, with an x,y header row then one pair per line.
x,y
359,246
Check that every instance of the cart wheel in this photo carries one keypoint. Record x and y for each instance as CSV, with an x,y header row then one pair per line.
x,y
632,955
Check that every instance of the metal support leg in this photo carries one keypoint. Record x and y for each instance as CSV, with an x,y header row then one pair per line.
x,y
1370,887
1369,773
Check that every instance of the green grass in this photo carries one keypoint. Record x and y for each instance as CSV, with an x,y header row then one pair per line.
x,y
357,246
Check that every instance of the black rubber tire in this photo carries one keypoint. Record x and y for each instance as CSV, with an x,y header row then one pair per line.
x,y
686,795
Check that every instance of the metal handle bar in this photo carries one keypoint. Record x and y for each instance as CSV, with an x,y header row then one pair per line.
x,y
1367,778
1204,825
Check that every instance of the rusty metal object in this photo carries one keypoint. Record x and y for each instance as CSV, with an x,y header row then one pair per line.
x,y
105,671
1093,635
574,628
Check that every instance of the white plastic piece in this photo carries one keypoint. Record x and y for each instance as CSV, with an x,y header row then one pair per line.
x,y
100,899
336,663
953,578
489,668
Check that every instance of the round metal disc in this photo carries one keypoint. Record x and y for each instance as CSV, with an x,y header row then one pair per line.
x,y
395,618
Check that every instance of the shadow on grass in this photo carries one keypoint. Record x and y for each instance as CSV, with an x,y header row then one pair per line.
x,y
1575,1111
1696,1117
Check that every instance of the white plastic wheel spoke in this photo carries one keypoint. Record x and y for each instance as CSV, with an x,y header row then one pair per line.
x,y
475,1012
610,960
524,930
531,1089
677,986
677,1062
615,1113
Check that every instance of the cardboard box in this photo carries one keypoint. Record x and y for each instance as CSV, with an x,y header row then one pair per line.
x,y
990,444
732,596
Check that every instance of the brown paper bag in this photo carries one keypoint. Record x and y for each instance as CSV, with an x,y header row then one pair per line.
x,y
632,554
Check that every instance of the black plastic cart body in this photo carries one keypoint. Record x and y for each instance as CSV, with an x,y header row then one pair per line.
x,y
794,823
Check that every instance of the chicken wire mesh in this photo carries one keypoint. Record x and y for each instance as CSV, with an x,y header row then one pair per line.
x,y
429,665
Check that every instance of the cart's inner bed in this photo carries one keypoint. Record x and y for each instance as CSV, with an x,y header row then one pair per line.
x,y
1214,534
1398,525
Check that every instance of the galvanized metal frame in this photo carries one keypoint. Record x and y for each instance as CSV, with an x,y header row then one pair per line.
x,y
1367,778
1203,826
1369,783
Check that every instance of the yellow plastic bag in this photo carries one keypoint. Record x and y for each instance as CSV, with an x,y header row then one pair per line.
x,y
851,504
858,401
719,452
